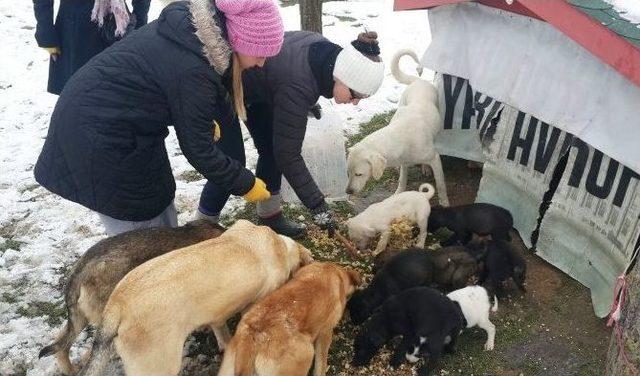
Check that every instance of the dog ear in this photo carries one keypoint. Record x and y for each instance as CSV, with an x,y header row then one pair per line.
x,y
354,276
378,164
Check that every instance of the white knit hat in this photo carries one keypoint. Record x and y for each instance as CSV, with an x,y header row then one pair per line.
x,y
358,72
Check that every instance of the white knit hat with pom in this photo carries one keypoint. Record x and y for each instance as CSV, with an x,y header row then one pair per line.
x,y
358,72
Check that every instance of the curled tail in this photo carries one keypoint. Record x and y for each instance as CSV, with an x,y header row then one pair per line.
x,y
245,357
400,76
494,308
103,347
429,192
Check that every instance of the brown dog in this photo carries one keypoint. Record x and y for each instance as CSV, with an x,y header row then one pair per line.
x,y
281,333
98,271
158,304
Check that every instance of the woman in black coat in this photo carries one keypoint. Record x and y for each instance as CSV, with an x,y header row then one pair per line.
x,y
279,97
105,147
73,39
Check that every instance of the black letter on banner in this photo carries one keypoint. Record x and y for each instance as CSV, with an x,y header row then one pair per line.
x,y
480,107
580,163
545,149
524,143
468,111
601,191
623,185
450,98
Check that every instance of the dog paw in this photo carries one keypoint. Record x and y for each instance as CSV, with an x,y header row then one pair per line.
x,y
488,346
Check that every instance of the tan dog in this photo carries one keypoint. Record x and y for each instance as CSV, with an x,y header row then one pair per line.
x,y
97,272
281,333
158,304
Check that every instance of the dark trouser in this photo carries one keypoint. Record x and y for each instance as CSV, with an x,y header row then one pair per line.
x,y
260,125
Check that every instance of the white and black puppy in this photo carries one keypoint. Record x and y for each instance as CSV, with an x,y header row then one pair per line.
x,y
377,218
429,323
408,139
474,302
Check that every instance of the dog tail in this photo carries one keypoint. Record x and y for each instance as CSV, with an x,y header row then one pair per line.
x,y
245,356
400,76
103,347
494,308
430,191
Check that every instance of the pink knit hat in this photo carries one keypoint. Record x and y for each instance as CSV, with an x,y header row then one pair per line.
x,y
255,27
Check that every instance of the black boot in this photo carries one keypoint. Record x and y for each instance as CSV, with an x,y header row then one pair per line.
x,y
283,226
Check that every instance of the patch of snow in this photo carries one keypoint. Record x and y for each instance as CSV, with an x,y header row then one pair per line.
x,y
629,9
54,232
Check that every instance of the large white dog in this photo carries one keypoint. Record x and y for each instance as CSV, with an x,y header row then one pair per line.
x,y
407,140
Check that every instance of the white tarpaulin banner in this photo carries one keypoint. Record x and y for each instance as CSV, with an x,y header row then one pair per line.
x,y
533,67
593,223
521,156
465,115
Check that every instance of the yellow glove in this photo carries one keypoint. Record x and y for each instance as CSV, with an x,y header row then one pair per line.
x,y
258,192
216,131
52,50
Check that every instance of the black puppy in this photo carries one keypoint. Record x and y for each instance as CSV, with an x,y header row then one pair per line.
x,y
422,316
404,270
465,220
500,263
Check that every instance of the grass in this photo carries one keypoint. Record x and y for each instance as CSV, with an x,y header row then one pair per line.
x,y
11,244
54,311
190,176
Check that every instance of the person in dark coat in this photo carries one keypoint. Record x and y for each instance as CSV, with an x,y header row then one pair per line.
x,y
279,97
74,38
105,146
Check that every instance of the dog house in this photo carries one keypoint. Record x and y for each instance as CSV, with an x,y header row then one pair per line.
x,y
547,95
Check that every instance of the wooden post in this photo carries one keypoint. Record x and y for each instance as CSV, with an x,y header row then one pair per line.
x,y
311,15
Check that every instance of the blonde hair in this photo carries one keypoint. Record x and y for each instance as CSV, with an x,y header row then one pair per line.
x,y
238,93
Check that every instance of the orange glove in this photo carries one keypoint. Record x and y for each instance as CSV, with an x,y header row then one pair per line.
x,y
259,192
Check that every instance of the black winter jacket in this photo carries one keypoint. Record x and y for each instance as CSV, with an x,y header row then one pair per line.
x,y
75,34
105,147
287,84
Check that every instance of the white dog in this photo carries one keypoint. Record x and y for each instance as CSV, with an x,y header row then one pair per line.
x,y
413,205
475,305
407,140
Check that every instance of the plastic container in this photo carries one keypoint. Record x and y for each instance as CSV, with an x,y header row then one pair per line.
x,y
324,153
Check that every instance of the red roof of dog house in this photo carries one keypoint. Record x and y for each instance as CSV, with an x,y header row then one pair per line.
x,y
597,28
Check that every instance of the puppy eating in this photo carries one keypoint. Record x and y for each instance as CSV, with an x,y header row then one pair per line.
x,y
408,139
405,270
98,271
501,263
378,217
466,220
428,321
283,333
158,304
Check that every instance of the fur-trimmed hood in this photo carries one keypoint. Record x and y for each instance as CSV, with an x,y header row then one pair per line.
x,y
197,25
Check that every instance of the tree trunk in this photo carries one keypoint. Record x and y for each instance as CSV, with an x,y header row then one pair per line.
x,y
630,325
311,15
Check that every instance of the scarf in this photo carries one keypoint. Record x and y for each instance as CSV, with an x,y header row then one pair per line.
x,y
322,59
101,8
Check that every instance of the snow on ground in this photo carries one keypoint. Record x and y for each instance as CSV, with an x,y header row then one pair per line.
x,y
630,9
41,235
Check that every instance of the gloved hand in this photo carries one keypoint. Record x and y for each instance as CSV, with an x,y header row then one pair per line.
x,y
316,111
53,51
259,192
323,218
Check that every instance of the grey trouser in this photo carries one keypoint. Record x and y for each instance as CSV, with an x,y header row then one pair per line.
x,y
112,226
